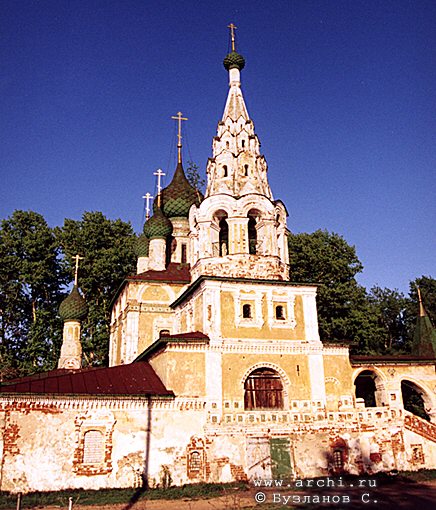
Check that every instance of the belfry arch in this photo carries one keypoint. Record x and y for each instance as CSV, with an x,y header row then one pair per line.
x,y
369,386
415,399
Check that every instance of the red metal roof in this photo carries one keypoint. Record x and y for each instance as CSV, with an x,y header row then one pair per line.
x,y
194,335
133,379
174,273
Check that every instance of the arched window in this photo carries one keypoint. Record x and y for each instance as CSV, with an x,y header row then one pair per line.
x,y
194,462
246,311
263,390
93,447
280,314
227,145
225,171
413,400
224,237
253,217
246,170
366,388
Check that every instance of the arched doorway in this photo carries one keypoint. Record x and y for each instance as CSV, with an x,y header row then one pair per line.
x,y
415,400
369,387
263,389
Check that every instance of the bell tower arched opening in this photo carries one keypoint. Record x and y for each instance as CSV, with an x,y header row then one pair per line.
x,y
415,399
253,218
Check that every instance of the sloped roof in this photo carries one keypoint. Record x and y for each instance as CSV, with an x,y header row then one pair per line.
x,y
133,379
194,337
174,273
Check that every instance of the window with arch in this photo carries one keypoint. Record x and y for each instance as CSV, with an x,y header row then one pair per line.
x,y
227,145
253,218
245,170
225,171
246,311
263,389
93,447
195,462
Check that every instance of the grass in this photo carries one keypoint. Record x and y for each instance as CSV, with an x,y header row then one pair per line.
x,y
114,496
187,492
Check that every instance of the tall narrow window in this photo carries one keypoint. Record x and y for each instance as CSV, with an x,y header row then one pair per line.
x,y
252,235
338,460
183,254
243,143
280,315
263,390
224,237
246,311
93,447
225,172
246,170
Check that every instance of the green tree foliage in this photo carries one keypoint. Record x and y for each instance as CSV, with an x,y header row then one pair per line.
x,y
344,312
31,280
194,178
107,248
388,307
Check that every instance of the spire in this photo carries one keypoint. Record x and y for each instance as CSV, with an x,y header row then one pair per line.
x,y
234,63
237,167
424,340
179,118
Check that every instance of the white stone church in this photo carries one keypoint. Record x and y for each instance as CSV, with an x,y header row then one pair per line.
x,y
217,371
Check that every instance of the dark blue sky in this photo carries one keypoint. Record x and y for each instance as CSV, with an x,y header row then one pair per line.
x,y
342,94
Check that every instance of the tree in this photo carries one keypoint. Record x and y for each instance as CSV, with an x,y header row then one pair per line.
x,y
389,306
31,280
107,248
343,310
195,179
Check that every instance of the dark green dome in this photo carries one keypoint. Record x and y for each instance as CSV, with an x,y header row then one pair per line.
x,y
178,196
73,307
141,246
159,226
146,228
234,60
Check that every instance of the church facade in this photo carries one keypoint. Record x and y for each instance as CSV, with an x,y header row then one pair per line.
x,y
217,371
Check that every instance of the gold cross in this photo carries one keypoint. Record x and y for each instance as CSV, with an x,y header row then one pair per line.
x,y
179,135
159,174
147,197
76,272
232,33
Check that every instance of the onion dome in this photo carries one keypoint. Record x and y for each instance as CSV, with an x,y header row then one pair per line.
x,y
141,246
73,307
234,60
146,229
159,226
179,195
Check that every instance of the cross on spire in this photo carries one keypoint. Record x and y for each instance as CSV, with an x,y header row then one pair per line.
x,y
232,27
179,135
147,197
159,174
76,272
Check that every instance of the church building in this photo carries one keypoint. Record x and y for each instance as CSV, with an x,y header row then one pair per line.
x,y
216,368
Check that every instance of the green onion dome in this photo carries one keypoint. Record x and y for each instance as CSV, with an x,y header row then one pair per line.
x,y
141,246
234,60
146,229
159,226
73,307
179,195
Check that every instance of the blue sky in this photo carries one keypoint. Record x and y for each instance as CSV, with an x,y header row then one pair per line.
x,y
342,94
